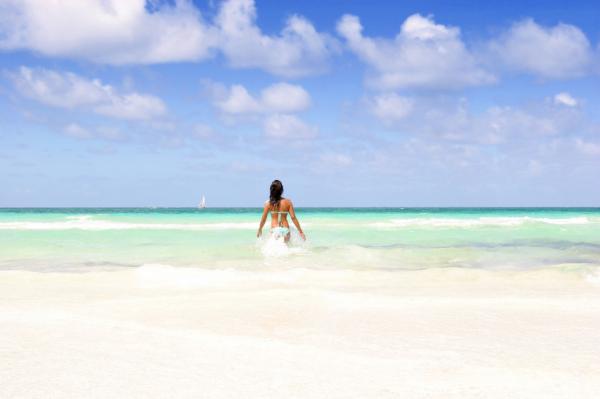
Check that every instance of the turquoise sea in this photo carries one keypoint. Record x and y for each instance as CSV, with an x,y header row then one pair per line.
x,y
84,239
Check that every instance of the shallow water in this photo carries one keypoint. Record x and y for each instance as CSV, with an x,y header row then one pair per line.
x,y
364,239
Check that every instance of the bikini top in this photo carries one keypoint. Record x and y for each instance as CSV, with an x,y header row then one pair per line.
x,y
283,213
278,212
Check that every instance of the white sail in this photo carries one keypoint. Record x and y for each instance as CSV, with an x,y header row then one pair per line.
x,y
202,203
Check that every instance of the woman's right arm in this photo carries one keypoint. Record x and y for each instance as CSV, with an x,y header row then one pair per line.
x,y
263,219
295,220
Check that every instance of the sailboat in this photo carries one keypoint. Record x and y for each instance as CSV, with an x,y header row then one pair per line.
x,y
202,203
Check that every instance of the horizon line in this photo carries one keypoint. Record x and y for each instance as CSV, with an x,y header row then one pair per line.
x,y
308,207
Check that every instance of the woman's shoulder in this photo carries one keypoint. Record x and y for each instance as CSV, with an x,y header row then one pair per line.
x,y
284,201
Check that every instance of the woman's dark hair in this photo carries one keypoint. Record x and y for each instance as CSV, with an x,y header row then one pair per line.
x,y
276,191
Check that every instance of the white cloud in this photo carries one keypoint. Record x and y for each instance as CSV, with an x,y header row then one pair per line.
x,y
285,97
274,108
132,106
423,55
58,89
281,126
299,50
119,32
391,107
238,101
504,121
561,51
450,119
565,99
68,90
77,131
587,147
279,97
106,31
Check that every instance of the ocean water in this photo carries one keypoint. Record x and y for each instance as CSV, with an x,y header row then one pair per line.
x,y
377,303
338,239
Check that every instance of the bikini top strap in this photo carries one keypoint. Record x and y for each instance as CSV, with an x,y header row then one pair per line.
x,y
278,212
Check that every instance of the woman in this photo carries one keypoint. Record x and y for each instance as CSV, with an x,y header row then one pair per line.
x,y
279,208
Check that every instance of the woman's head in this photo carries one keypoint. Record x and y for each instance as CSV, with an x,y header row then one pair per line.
x,y
276,192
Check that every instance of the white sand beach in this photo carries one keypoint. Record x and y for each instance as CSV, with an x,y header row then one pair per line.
x,y
157,332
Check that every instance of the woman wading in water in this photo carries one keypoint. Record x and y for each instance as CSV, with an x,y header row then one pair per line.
x,y
279,208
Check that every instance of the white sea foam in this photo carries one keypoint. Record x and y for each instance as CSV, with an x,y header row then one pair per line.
x,y
92,224
482,221
274,246
86,222
79,217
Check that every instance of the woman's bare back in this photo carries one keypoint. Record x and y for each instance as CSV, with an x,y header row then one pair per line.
x,y
279,213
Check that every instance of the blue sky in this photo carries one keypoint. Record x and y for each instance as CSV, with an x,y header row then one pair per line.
x,y
349,103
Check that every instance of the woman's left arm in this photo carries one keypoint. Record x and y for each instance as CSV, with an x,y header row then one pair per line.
x,y
263,219
295,220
